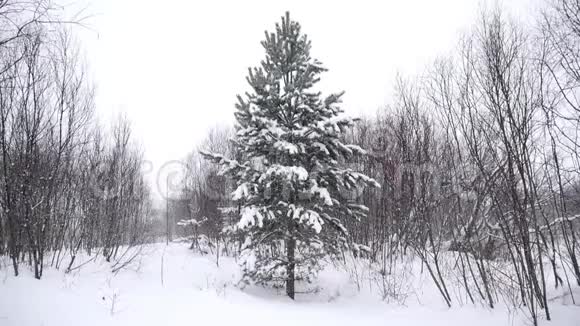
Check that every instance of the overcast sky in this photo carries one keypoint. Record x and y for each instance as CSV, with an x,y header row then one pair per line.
x,y
174,67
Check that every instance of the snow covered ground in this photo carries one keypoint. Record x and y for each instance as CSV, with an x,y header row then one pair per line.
x,y
173,286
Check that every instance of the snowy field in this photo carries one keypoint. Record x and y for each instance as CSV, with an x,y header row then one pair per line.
x,y
173,286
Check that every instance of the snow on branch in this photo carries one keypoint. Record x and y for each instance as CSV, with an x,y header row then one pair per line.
x,y
228,165
307,216
288,172
192,222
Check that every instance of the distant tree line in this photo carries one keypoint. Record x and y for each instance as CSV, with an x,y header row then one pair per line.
x,y
66,184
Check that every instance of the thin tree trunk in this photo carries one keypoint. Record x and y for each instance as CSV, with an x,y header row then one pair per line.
x,y
290,247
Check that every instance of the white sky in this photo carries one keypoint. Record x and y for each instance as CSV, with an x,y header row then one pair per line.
x,y
174,67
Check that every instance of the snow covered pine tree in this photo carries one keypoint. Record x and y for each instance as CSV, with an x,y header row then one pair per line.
x,y
289,182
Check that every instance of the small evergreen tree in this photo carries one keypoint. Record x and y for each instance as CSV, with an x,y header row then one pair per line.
x,y
289,178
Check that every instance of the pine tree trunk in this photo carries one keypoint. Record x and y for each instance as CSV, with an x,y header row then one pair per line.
x,y
290,246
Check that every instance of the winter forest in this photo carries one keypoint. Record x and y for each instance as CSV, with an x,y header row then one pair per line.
x,y
457,202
